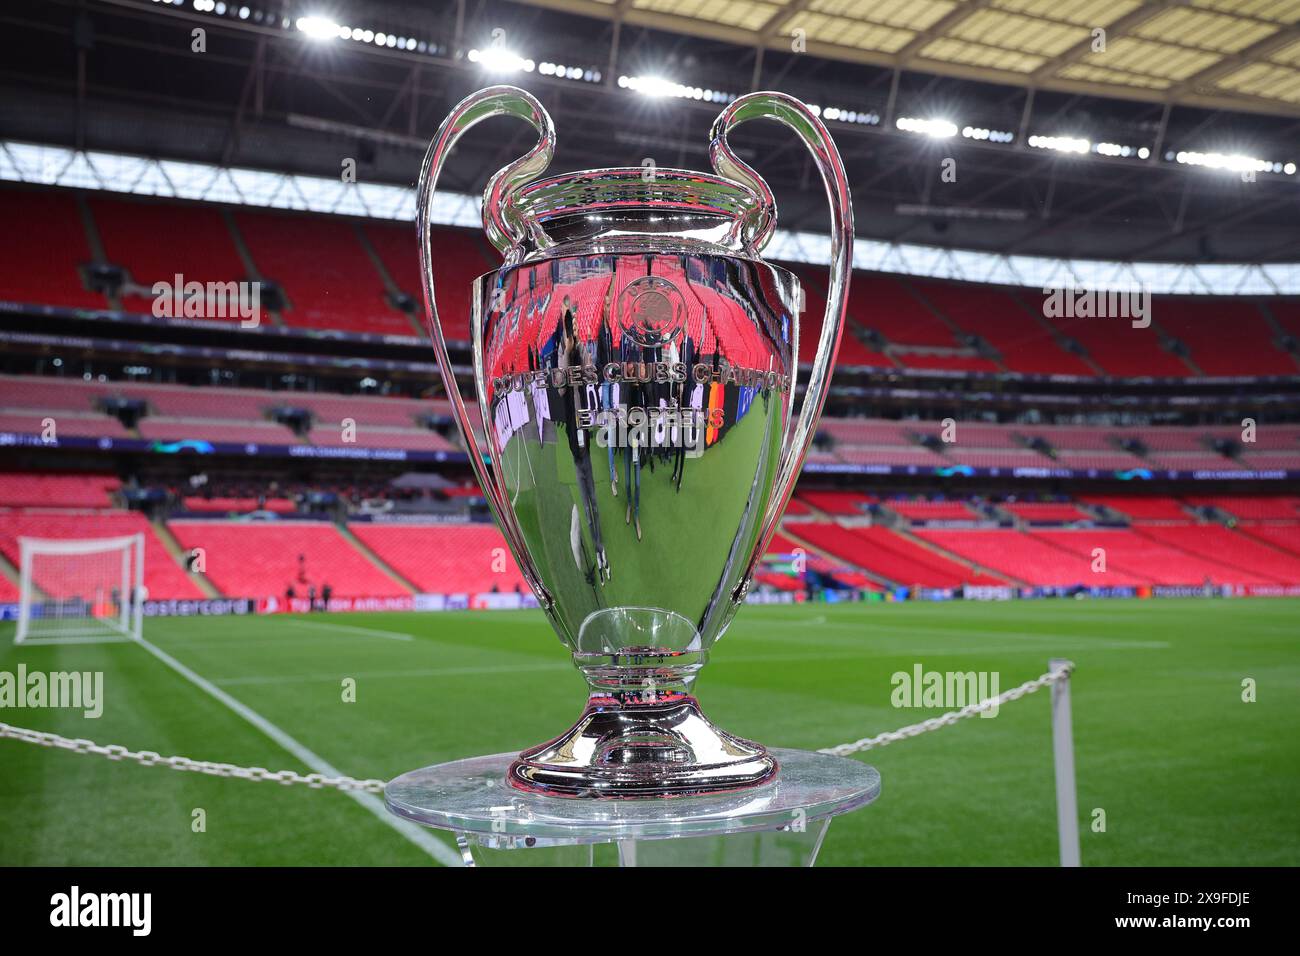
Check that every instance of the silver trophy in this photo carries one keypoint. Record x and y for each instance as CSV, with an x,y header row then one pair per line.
x,y
636,364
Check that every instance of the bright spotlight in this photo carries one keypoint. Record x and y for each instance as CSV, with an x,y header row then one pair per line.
x,y
496,59
318,28
938,128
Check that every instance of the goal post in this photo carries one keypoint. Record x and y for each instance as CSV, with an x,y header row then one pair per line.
x,y
80,590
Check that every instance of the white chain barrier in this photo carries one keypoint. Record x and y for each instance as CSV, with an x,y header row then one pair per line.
x,y
317,781
934,723
147,758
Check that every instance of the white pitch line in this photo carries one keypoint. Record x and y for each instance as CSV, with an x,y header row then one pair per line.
x,y
389,675
72,639
351,629
412,832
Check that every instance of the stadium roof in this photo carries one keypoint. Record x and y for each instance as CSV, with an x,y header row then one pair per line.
x,y
1242,54
936,160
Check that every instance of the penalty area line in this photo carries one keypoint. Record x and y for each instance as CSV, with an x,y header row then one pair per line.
x,y
352,629
412,832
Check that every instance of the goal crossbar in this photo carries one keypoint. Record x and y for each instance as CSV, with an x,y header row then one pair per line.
x,y
67,594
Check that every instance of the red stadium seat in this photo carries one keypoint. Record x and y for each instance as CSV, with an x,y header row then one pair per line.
x,y
42,242
330,281
260,559
444,559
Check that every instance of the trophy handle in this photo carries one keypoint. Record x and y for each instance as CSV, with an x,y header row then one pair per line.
x,y
506,233
810,129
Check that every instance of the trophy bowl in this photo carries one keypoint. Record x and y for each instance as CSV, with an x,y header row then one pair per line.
x,y
636,362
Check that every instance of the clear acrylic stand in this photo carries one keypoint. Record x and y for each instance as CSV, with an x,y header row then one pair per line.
x,y
782,823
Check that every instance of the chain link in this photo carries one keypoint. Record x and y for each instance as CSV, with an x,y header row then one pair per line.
x,y
148,758
947,720
317,781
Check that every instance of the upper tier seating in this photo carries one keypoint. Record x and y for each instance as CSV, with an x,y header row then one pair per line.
x,y
1224,334
852,350
162,575
458,257
42,242
330,281
1025,343
1120,349
66,424
156,241
260,559
57,491
444,559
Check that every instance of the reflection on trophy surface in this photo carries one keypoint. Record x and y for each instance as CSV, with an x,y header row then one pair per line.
x,y
636,369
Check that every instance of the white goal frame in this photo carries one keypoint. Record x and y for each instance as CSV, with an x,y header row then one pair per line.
x,y
131,594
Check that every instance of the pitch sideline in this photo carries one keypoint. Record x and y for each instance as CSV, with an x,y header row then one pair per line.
x,y
413,833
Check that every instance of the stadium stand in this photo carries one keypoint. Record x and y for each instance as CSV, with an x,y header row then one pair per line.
x,y
156,241
1283,507
448,559
932,510
1200,324
1140,509
1045,511
1122,350
1024,342
329,279
1284,537
57,491
1239,558
261,559
461,256
42,245
1023,557
837,502
890,555
162,575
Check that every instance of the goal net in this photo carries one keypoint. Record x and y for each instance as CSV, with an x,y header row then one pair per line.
x,y
79,591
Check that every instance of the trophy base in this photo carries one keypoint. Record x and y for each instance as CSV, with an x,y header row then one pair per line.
x,y
660,748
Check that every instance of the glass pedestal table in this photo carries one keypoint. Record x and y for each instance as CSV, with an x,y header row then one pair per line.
x,y
782,823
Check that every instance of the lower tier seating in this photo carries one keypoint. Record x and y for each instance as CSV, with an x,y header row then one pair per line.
x,y
262,559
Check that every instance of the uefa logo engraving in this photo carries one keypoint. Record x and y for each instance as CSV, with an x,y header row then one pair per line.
x,y
652,311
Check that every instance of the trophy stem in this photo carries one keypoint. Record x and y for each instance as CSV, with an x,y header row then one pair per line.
x,y
642,744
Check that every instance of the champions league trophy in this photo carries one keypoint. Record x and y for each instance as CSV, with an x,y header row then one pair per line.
x,y
635,362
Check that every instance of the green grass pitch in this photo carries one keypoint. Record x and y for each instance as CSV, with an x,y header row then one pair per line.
x,y
1184,770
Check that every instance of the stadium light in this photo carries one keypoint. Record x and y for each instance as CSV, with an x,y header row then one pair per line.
x,y
1062,144
937,128
497,59
653,86
658,87
318,28
1232,162
984,134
